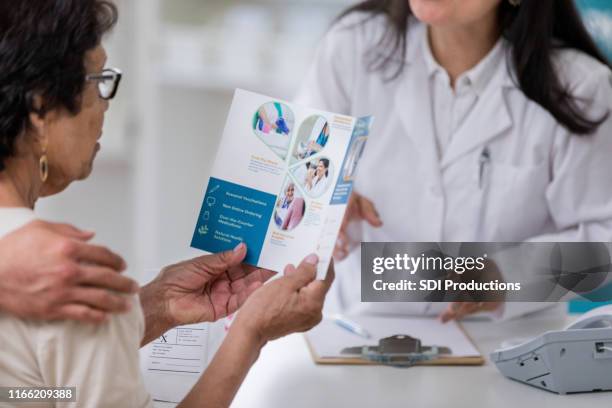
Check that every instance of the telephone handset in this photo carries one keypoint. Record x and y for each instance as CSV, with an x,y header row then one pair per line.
x,y
600,318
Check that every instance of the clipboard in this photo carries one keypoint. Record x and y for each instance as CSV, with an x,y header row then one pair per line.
x,y
326,341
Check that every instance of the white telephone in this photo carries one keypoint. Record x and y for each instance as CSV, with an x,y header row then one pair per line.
x,y
577,359
599,318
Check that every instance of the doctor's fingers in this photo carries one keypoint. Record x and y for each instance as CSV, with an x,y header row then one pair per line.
x,y
367,211
341,249
458,310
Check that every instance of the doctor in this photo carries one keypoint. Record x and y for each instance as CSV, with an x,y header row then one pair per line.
x,y
492,124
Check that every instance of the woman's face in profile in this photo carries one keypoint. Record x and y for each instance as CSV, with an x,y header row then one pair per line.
x,y
72,140
452,12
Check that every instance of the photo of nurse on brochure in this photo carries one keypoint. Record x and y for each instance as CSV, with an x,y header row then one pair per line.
x,y
315,176
290,207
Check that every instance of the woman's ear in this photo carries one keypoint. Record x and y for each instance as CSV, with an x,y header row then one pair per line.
x,y
38,124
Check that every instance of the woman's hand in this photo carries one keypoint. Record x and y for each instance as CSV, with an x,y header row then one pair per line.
x,y
50,272
204,289
290,304
359,209
309,177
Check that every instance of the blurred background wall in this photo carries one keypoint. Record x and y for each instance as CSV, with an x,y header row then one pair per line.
x,y
182,60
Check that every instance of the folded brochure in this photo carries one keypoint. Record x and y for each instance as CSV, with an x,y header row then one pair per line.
x,y
281,182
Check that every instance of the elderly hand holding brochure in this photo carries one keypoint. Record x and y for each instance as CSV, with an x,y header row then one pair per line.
x,y
281,182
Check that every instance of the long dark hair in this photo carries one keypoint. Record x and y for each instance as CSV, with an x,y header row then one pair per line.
x,y
535,29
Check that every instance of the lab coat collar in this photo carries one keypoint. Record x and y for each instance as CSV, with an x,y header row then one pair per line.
x,y
413,97
490,118
418,52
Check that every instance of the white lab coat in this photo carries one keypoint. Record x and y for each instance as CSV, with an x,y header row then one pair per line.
x,y
319,186
541,183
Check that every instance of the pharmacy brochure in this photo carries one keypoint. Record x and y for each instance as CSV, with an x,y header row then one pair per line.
x,y
280,182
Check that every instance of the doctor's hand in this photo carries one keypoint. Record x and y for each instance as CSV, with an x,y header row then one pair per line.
x,y
460,310
359,209
204,289
49,271
494,299
292,303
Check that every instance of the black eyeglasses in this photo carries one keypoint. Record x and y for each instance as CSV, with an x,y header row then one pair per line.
x,y
108,82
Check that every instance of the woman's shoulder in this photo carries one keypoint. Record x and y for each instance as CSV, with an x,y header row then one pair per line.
x,y
581,74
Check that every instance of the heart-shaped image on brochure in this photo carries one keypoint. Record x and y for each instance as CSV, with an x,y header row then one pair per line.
x,y
273,123
314,176
290,206
312,137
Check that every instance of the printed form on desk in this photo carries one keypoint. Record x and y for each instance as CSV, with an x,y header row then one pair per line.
x,y
173,363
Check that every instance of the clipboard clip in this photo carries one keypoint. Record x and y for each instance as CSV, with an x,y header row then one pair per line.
x,y
398,351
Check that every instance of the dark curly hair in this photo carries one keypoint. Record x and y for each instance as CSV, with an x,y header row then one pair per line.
x,y
42,52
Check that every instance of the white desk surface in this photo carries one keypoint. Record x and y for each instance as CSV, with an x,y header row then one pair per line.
x,y
285,375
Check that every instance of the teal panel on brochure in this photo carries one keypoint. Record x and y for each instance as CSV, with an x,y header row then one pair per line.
x,y
232,214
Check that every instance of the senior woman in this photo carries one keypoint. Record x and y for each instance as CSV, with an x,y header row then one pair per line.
x,y
54,92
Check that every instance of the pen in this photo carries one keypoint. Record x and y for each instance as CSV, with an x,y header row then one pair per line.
x,y
485,158
350,326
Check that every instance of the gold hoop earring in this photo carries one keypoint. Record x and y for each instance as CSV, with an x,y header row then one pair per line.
x,y
44,167
515,3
